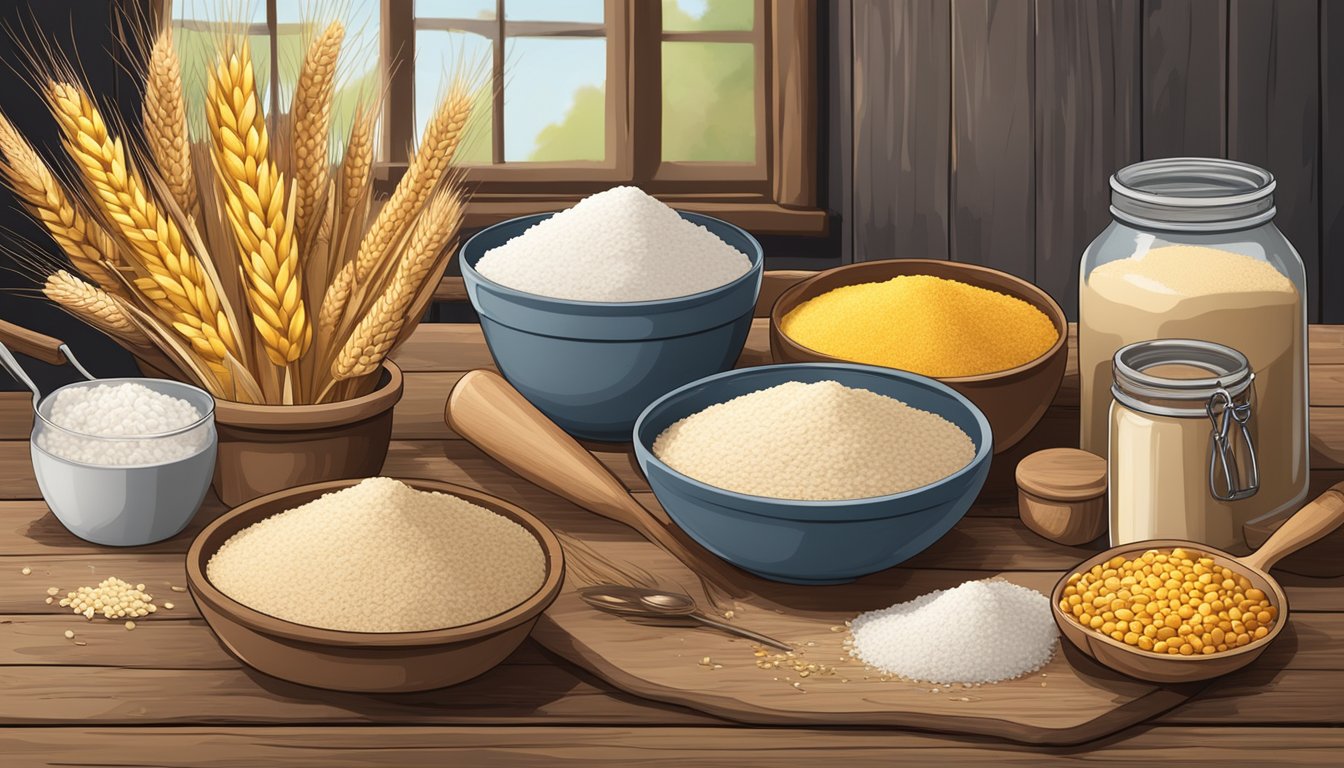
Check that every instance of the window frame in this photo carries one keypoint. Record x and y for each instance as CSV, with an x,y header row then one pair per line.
x,y
776,194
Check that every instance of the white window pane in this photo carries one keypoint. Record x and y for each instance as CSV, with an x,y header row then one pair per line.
x,y
439,56
707,15
586,11
554,107
214,10
455,9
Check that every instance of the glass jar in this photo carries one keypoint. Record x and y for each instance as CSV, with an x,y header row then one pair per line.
x,y
1192,252
1183,462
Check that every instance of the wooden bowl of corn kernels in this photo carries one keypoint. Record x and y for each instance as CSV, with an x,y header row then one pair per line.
x,y
1013,399
1157,663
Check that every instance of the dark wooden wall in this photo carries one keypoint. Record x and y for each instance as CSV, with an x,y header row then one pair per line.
x,y
985,130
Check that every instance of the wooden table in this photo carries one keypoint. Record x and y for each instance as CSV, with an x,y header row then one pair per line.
x,y
167,694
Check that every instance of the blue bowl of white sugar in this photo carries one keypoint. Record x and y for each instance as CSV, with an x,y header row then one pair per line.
x,y
594,312
815,473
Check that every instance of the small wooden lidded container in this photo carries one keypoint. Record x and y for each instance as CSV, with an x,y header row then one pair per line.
x,y
1061,494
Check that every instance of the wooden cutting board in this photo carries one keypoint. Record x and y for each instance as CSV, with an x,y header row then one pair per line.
x,y
1070,701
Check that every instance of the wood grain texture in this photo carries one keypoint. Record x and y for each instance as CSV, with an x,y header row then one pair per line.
x,y
901,131
16,415
1087,117
993,184
1332,161
1273,115
675,747
1184,78
793,100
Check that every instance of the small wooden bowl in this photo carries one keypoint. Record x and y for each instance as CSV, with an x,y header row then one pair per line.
x,y
366,662
1013,400
1309,524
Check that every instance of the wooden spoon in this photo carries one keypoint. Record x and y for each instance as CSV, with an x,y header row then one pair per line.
x,y
488,411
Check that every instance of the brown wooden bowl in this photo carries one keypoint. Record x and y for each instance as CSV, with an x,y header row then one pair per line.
x,y
1162,668
366,662
1013,400
1307,525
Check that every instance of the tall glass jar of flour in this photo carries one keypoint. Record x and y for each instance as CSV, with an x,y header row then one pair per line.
x,y
1192,253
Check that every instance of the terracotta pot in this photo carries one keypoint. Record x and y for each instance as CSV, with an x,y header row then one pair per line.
x,y
267,448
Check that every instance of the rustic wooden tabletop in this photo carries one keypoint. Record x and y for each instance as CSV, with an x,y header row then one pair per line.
x,y
167,693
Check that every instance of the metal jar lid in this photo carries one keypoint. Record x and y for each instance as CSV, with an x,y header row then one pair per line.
x,y
1139,390
1194,194
1224,398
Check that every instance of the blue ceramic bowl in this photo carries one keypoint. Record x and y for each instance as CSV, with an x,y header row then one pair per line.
x,y
814,542
591,366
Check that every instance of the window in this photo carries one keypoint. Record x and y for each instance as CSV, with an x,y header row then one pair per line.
x,y
710,104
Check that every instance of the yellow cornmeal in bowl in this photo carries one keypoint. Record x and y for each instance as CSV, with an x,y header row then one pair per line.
x,y
923,324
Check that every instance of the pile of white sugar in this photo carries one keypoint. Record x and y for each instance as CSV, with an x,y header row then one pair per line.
x,y
979,632
617,245
815,441
119,410
381,556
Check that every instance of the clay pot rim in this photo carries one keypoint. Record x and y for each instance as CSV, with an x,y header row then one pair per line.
x,y
213,536
1022,289
284,418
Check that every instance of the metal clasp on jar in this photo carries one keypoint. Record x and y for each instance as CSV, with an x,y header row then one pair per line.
x,y
1224,473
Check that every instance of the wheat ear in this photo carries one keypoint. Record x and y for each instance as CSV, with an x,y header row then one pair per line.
x,y
431,161
165,120
333,304
311,118
175,281
375,334
88,247
254,197
357,166
94,306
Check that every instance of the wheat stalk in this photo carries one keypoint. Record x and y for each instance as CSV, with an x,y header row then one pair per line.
x,y
174,279
333,304
311,119
165,120
254,197
423,174
95,306
374,336
358,163
88,247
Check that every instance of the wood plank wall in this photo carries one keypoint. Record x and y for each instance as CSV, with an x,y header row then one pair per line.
x,y
986,130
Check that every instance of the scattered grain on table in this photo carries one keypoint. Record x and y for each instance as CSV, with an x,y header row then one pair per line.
x,y
112,598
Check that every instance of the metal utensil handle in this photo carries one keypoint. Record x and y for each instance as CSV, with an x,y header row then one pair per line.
x,y
726,627
1223,412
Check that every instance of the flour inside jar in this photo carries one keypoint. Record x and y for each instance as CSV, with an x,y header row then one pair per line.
x,y
1197,292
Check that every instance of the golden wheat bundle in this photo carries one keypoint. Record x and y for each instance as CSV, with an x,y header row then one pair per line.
x,y
172,277
198,253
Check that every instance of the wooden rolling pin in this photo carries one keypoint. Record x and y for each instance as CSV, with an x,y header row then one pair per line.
x,y
488,411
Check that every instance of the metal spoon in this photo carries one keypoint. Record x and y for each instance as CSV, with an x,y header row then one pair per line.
x,y
651,603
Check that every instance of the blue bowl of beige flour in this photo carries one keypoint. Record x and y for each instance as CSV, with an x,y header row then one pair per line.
x,y
593,365
854,440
